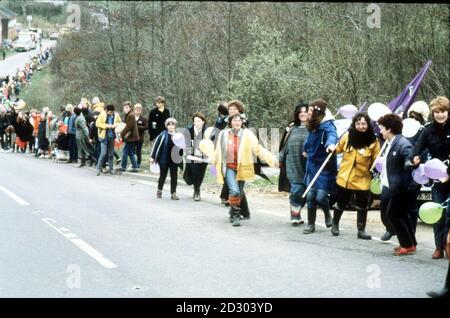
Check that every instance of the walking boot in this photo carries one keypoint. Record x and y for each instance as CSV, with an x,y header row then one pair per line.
x,y
235,210
296,217
336,218
361,220
310,228
83,163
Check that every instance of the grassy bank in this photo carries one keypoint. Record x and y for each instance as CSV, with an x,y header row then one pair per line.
x,y
39,92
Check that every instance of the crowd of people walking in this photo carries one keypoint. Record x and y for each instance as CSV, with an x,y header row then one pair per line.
x,y
308,155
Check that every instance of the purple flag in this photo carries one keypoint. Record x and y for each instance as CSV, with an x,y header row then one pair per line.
x,y
361,108
402,102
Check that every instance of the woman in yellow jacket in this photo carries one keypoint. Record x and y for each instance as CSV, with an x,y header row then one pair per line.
x,y
236,151
360,148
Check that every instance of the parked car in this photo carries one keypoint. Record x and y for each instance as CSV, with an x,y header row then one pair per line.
x,y
23,45
54,36
8,44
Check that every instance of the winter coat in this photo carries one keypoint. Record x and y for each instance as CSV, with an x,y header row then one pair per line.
x,y
131,128
142,123
248,147
101,123
438,145
354,171
82,131
99,107
156,121
315,147
194,142
71,129
291,155
399,177
161,151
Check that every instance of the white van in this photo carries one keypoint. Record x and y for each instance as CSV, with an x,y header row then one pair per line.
x,y
37,32
23,44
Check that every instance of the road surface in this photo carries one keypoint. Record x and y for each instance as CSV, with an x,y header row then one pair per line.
x,y
66,233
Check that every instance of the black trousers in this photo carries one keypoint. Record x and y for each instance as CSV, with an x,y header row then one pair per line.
x,y
73,150
173,177
384,202
397,213
197,174
138,152
344,196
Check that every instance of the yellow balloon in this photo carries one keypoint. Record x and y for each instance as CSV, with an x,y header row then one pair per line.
x,y
208,132
21,105
207,147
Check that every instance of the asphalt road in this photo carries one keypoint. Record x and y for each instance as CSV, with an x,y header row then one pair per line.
x,y
9,66
66,233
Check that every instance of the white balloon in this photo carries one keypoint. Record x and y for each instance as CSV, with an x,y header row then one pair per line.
x,y
377,110
410,127
342,125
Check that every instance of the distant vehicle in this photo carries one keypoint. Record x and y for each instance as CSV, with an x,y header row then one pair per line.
x,y
54,36
64,31
8,44
37,32
23,44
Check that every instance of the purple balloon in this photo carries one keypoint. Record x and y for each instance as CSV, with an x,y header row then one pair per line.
x,y
435,169
379,164
348,111
213,170
419,175
178,140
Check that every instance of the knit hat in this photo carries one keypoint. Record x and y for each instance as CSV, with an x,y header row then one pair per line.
x,y
319,105
170,120
95,100
421,108
440,103
238,104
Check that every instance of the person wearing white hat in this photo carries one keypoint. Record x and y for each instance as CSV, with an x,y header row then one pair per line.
x,y
162,154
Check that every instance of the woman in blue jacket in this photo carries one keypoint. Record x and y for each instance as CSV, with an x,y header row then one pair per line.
x,y
167,158
322,135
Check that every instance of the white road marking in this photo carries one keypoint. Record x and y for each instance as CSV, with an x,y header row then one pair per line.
x,y
14,197
81,244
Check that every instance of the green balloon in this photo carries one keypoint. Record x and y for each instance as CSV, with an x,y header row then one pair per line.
x,y
430,212
375,186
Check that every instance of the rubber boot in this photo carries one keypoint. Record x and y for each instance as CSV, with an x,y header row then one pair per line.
x,y
361,219
326,212
444,292
311,228
335,223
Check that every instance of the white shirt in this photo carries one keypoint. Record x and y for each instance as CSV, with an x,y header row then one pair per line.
x,y
384,176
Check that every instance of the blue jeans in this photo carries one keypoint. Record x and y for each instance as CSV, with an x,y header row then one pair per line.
x,y
106,150
316,198
236,187
295,196
128,150
440,194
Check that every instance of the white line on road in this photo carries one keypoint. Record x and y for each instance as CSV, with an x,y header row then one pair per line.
x,y
81,244
14,197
